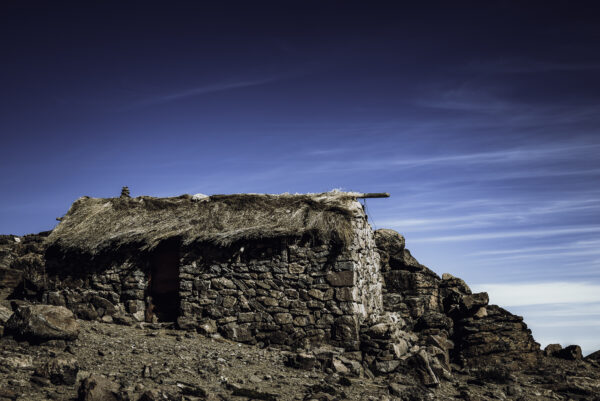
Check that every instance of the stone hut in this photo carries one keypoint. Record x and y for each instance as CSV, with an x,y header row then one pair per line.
x,y
292,270
302,272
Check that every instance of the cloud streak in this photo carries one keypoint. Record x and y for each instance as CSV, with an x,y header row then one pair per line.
x,y
206,89
521,294
512,234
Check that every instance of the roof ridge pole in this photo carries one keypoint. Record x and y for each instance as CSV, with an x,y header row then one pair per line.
x,y
373,195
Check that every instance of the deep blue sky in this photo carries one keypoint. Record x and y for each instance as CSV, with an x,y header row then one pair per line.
x,y
481,119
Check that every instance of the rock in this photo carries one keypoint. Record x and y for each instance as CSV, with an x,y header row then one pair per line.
x,y
473,302
220,283
481,312
6,394
60,371
38,323
594,356
404,392
572,353
237,332
151,395
17,362
448,280
301,360
384,367
339,367
5,314
39,381
191,389
251,393
98,388
379,330
207,327
552,349
346,278
421,362
123,319
433,320
390,245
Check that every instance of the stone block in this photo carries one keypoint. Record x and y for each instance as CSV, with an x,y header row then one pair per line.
x,y
283,318
347,294
295,268
346,278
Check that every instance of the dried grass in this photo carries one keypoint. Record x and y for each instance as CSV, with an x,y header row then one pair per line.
x,y
94,225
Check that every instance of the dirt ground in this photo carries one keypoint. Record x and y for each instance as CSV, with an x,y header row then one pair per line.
x,y
180,365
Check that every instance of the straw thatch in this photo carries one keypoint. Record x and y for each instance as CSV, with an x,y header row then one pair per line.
x,y
95,225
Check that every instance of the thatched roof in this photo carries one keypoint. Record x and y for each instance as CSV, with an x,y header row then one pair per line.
x,y
95,225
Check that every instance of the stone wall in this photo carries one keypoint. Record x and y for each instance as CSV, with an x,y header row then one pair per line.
x,y
282,292
286,291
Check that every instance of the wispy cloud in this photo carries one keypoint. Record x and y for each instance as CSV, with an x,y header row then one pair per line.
x,y
205,89
578,245
516,66
522,212
537,156
520,294
511,234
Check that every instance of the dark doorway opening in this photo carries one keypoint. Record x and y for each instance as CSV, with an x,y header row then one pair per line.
x,y
164,282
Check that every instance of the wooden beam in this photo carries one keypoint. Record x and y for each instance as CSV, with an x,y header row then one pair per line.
x,y
374,195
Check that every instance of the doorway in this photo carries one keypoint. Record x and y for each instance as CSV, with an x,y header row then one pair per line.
x,y
164,283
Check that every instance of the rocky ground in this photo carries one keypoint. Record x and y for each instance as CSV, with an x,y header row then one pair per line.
x,y
436,340
153,362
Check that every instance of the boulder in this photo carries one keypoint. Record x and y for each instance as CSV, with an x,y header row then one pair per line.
x,y
39,323
473,302
98,388
390,245
450,281
572,353
552,349
301,360
60,371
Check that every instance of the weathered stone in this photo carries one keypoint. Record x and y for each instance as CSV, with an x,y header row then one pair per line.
x,y
251,393
301,360
295,268
207,327
474,301
38,323
220,283
572,352
151,395
552,349
60,371
481,312
283,318
379,330
338,366
345,278
384,367
229,302
450,281
98,388
190,389
5,314
421,362
300,321
237,332
347,294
